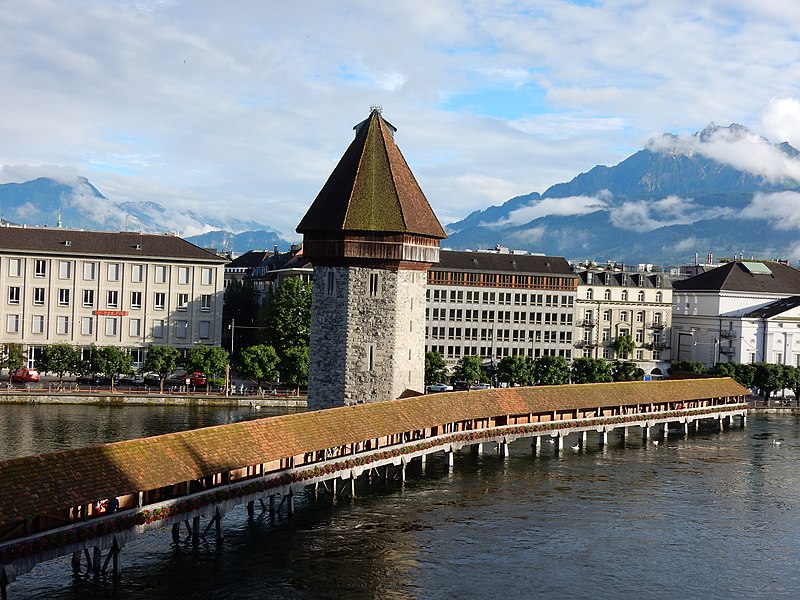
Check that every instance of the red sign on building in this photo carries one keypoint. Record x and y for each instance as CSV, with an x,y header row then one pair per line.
x,y
110,313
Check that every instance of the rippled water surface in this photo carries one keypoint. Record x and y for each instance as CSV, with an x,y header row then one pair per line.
x,y
716,515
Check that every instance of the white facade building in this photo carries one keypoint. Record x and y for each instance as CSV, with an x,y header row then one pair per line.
x,y
128,290
611,304
743,312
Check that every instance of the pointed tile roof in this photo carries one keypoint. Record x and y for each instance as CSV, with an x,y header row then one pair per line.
x,y
372,189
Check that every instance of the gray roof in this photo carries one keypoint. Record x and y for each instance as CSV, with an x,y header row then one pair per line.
x,y
634,279
249,260
124,244
737,277
493,262
775,308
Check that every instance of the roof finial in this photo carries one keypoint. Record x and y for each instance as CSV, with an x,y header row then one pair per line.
x,y
376,108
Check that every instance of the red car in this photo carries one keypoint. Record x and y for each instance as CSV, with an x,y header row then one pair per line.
x,y
25,375
198,379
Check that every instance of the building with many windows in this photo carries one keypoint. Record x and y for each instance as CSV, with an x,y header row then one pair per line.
x,y
499,303
742,311
614,303
124,289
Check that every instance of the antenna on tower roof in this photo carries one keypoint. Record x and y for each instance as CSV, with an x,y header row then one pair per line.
x,y
376,108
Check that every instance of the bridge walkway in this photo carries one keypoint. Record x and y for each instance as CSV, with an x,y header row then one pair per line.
x,y
89,500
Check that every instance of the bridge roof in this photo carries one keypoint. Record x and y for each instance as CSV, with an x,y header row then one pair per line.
x,y
43,483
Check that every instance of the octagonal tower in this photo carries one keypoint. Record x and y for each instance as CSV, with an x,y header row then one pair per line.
x,y
371,236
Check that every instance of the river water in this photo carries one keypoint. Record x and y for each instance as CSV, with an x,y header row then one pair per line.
x,y
716,515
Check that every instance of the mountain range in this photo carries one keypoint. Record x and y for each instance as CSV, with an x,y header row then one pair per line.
x,y
723,190
77,204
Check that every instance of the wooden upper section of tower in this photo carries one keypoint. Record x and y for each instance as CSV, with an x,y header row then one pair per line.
x,y
371,195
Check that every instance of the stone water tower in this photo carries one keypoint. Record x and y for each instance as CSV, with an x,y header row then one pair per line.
x,y
371,236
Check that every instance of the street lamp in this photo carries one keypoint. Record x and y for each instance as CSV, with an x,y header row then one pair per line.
x,y
232,327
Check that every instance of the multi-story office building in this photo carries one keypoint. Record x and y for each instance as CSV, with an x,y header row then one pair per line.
x,y
613,303
499,303
126,289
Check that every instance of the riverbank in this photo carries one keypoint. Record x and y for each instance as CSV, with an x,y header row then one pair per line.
x,y
124,398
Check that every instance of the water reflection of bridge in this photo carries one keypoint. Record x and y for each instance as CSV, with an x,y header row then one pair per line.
x,y
51,504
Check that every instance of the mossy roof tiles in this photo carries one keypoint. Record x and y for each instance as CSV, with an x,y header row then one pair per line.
x,y
36,484
372,189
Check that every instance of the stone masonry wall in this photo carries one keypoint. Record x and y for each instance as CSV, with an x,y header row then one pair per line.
x,y
365,347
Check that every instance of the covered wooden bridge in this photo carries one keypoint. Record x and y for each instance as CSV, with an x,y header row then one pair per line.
x,y
91,501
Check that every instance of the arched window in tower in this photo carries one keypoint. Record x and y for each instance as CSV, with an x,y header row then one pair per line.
x,y
589,294
624,295
641,296
658,296
607,295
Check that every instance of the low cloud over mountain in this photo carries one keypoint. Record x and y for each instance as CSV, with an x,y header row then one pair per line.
x,y
723,189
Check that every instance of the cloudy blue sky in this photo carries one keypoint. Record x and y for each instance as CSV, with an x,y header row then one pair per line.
x,y
244,107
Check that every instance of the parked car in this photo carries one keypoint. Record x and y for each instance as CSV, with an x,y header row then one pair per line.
x,y
25,375
95,379
480,386
439,387
132,380
198,379
461,386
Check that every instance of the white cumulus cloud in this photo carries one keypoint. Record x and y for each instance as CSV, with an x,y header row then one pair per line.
x,y
781,209
572,205
643,216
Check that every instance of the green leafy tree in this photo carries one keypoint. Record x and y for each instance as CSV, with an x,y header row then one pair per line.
x,y
624,346
514,369
626,371
240,307
795,383
742,373
13,358
286,318
295,365
258,362
58,358
590,370
768,378
111,361
550,370
211,360
745,373
435,368
470,369
685,366
162,360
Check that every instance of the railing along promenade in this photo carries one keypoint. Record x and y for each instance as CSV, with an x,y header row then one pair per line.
x,y
90,500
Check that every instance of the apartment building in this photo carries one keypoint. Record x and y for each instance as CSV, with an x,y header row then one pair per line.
x,y
615,303
499,303
124,289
